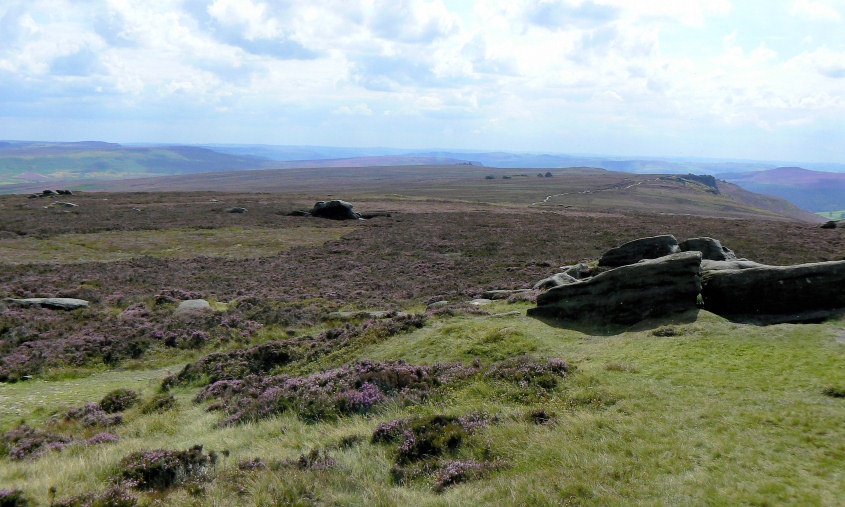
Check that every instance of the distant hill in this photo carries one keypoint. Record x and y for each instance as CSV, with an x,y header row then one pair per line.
x,y
811,190
22,161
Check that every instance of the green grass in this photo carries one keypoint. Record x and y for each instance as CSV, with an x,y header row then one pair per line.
x,y
718,414
832,215
233,242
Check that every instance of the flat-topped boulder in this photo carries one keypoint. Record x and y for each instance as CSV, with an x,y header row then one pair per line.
x,y
708,265
556,280
51,303
775,293
364,314
639,249
711,249
628,294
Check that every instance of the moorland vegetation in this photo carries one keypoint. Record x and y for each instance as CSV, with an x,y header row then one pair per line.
x,y
269,398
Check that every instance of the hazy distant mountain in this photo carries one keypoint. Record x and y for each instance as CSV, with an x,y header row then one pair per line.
x,y
811,190
22,161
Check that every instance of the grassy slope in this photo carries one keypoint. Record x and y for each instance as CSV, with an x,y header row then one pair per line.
x,y
720,414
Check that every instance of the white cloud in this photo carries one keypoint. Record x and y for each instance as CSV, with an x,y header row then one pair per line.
x,y
356,110
815,10
252,16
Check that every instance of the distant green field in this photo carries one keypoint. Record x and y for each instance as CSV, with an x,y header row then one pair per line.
x,y
833,215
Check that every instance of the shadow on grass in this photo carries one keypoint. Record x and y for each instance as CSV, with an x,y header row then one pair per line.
x,y
604,329
804,317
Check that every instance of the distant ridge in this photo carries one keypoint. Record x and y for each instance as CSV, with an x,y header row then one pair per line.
x,y
812,190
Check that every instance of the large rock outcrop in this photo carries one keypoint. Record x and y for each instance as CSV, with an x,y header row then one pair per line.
x,y
639,249
628,294
51,303
775,293
334,210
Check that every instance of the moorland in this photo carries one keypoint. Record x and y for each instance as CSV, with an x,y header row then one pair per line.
x,y
271,397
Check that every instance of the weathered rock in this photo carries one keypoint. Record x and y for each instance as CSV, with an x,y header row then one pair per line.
x,y
334,210
831,224
578,271
64,192
708,265
503,293
235,210
65,204
775,293
556,280
628,294
480,302
64,303
711,249
193,305
46,193
437,304
52,303
639,249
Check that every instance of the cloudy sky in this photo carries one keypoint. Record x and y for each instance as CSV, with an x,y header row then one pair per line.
x,y
760,79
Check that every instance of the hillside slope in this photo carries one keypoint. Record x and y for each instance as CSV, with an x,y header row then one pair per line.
x,y
811,190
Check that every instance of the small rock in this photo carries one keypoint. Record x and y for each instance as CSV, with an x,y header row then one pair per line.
x,y
51,303
65,204
235,210
830,224
193,305
64,192
556,280
503,293
437,304
506,314
480,302
48,193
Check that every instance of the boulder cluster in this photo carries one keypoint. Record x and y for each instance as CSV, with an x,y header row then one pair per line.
x,y
51,193
656,277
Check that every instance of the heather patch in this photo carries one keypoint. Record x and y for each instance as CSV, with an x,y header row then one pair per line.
x,y
541,416
529,371
24,442
261,359
424,444
313,460
92,415
118,400
161,469
115,496
13,498
834,391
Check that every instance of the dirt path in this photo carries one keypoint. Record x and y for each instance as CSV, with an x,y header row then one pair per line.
x,y
617,186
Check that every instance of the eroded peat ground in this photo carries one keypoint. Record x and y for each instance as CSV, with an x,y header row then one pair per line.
x,y
452,404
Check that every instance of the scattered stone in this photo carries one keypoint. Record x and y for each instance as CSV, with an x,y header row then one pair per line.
x,y
639,249
579,271
628,294
711,249
506,314
64,192
830,224
65,204
503,294
33,196
437,304
48,193
51,303
190,305
235,210
555,280
776,293
213,200
480,302
334,210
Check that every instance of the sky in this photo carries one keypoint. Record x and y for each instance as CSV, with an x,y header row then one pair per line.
x,y
752,79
